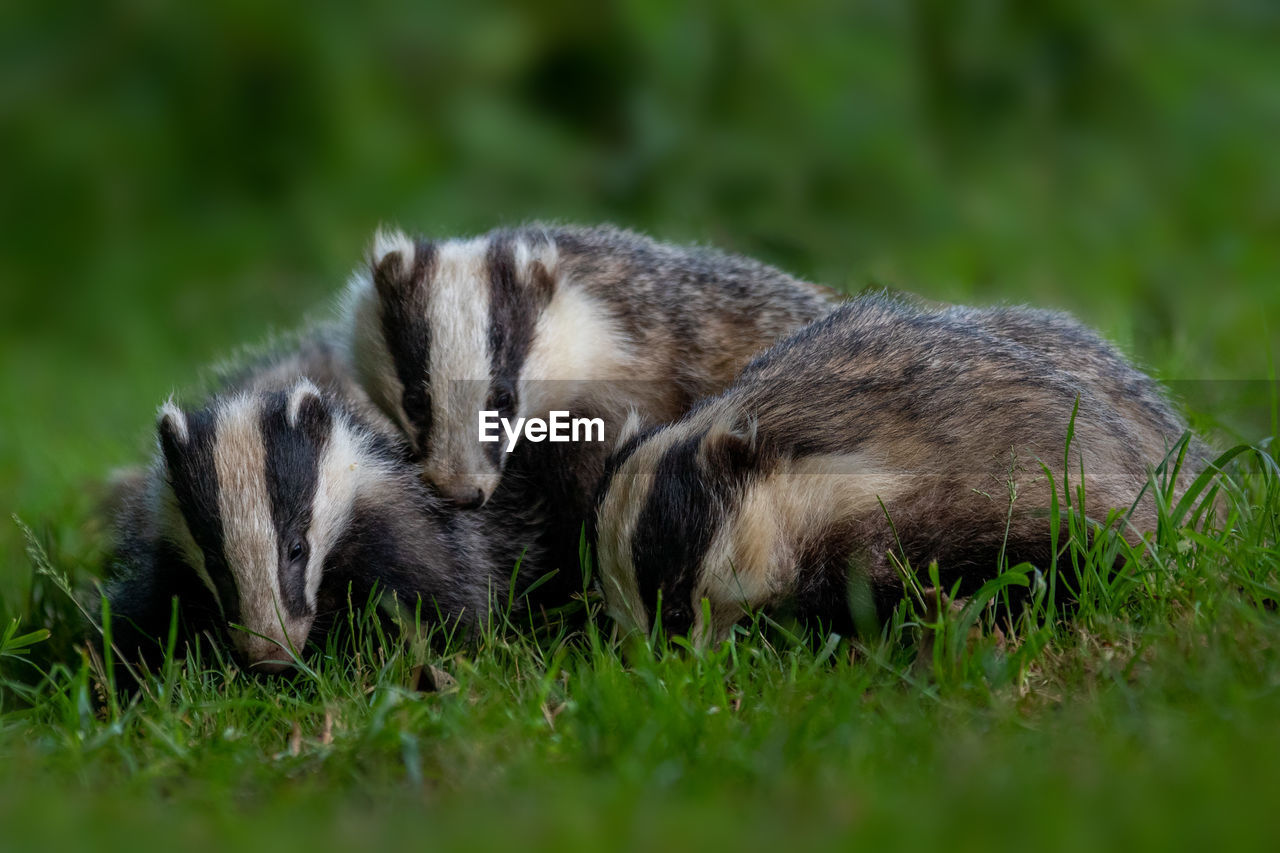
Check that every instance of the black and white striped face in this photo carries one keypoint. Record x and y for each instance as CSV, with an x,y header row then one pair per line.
x,y
265,485
667,527
712,509
442,331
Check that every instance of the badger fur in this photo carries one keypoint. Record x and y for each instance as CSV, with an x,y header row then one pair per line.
x,y
538,318
282,494
884,432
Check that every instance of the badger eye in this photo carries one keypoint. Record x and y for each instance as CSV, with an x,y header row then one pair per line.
x,y
501,399
296,550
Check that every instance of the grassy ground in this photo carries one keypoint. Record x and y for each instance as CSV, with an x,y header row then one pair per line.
x,y
181,182
1143,714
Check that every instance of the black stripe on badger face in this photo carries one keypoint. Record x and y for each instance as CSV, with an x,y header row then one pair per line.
x,y
514,307
293,452
685,508
695,487
187,443
406,329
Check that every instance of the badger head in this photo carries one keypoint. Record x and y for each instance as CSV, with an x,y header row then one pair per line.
x,y
264,484
664,523
440,332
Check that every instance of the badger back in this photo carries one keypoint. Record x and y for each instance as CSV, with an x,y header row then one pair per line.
x,y
1085,358
881,427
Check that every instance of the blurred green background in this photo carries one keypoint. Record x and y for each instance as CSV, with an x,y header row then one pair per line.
x,y
180,179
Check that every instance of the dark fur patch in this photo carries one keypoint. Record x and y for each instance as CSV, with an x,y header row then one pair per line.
x,y
412,550
142,593
511,317
541,282
514,307
194,479
736,453
403,315
293,454
673,532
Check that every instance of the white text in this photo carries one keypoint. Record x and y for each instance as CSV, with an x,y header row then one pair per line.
x,y
560,427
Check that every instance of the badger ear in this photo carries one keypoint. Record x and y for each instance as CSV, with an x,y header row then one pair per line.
x,y
631,427
732,445
542,281
172,430
307,410
391,258
172,421
303,391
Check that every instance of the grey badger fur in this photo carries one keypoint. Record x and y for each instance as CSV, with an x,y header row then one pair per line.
x,y
526,320
280,495
771,492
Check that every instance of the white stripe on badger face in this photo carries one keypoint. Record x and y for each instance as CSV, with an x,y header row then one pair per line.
x,y
248,532
460,371
618,513
345,470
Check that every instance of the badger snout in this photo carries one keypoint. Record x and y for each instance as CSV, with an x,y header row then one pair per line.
x,y
271,667
466,490
265,656
269,653
464,495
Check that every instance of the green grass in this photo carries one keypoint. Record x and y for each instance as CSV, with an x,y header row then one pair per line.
x,y
1116,707
180,179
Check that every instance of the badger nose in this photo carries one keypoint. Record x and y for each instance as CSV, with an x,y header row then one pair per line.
x,y
270,667
464,497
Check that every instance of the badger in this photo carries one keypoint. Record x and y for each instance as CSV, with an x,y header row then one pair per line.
x,y
277,499
539,318
882,436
